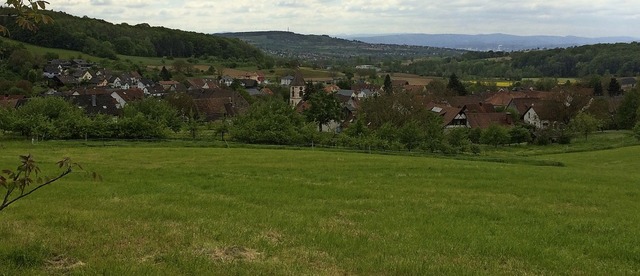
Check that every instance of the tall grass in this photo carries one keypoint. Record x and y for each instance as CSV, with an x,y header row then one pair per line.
x,y
166,209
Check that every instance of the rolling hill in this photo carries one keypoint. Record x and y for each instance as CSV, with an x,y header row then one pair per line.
x,y
319,47
107,40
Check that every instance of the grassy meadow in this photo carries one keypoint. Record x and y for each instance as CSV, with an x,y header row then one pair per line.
x,y
164,209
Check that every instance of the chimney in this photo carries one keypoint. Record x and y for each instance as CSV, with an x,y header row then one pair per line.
x,y
93,100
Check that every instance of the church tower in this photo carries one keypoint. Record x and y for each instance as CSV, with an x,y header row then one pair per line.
x,y
296,89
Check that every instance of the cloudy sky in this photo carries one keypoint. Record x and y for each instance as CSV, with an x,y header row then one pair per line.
x,y
589,18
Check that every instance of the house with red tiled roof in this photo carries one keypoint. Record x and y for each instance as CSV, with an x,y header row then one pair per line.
x,y
126,96
215,104
201,83
452,117
485,120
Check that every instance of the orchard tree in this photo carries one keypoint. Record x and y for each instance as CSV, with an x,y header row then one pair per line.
x,y
323,108
495,135
627,116
584,124
636,131
268,122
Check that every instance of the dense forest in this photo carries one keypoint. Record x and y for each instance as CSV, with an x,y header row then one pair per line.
x,y
104,39
620,59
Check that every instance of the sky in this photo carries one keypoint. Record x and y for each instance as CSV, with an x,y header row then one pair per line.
x,y
587,18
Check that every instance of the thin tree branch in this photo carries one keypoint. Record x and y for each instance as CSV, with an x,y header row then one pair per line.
x,y
63,174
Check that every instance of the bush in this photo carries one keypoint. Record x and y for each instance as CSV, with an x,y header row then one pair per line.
x,y
495,135
475,149
474,135
543,138
519,135
636,131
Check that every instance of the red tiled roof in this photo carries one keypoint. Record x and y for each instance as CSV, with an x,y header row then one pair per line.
x,y
484,120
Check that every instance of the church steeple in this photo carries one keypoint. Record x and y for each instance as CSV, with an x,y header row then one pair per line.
x,y
296,89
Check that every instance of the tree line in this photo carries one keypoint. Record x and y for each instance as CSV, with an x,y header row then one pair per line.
x,y
619,59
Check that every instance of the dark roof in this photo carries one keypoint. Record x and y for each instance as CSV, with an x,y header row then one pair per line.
x,y
213,104
96,104
129,95
480,108
628,81
547,110
298,79
249,83
484,120
10,101
523,104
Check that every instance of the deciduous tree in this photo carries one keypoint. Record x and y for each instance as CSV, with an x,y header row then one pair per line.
x,y
27,13
584,124
323,108
495,135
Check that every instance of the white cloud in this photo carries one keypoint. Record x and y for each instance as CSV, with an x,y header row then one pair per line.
x,y
566,17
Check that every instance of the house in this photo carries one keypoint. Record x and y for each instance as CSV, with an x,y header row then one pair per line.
x,y
628,83
99,81
81,63
126,96
501,99
201,83
94,104
144,85
115,82
286,81
452,117
331,88
226,81
248,83
169,85
52,70
10,101
65,80
521,105
215,104
541,116
485,120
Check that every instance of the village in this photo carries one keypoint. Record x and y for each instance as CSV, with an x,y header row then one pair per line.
x,y
102,91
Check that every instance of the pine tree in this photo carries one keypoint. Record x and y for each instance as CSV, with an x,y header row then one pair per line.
x,y
388,85
456,85
614,88
165,75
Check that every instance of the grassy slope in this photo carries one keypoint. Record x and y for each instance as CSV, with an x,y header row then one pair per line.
x,y
169,210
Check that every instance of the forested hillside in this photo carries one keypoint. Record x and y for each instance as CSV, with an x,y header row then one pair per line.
x,y
322,47
620,59
104,39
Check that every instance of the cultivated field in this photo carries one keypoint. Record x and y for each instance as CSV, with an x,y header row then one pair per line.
x,y
167,209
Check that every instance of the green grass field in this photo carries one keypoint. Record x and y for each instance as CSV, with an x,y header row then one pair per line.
x,y
168,209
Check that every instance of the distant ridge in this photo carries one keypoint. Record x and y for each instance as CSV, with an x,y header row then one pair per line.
x,y
486,42
318,47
